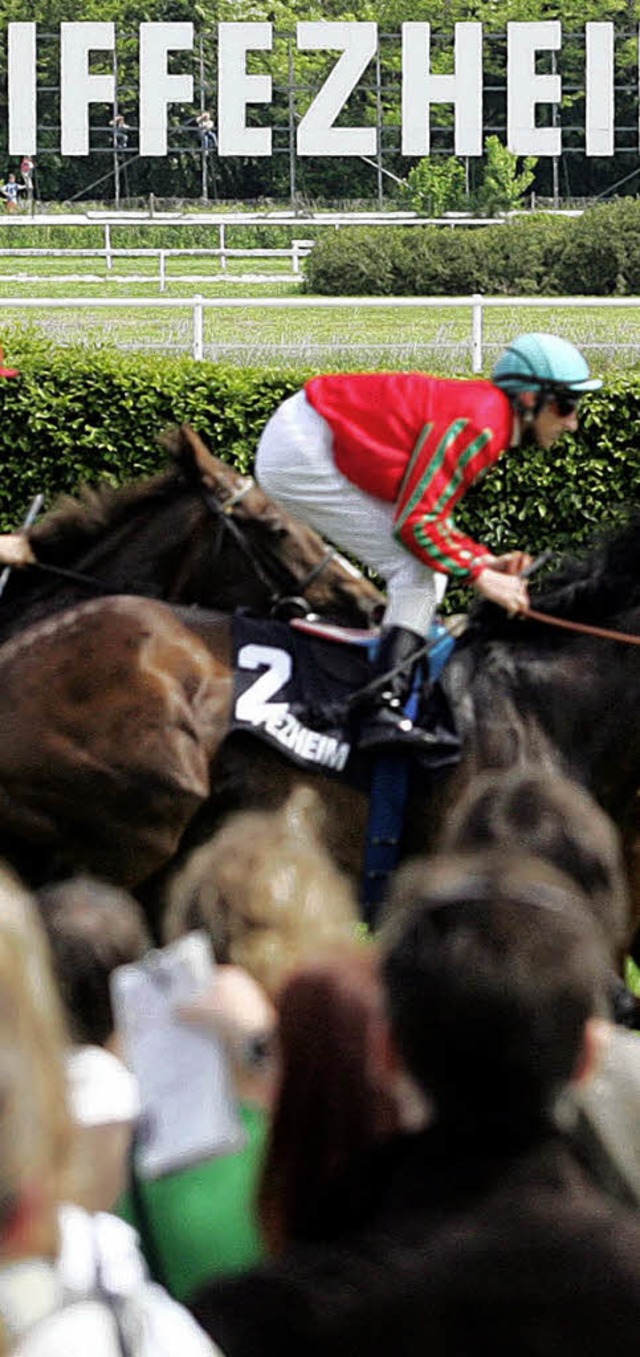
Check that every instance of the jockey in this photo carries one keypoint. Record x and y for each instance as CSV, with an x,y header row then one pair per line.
x,y
14,546
376,462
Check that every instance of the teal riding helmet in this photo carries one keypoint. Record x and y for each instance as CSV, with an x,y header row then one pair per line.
x,y
543,363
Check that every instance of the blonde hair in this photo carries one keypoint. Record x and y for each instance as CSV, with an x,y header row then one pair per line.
x,y
35,1131
266,891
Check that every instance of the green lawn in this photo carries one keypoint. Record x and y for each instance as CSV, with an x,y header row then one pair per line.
x,y
352,337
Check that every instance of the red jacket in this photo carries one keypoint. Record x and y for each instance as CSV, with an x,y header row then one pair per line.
x,y
417,442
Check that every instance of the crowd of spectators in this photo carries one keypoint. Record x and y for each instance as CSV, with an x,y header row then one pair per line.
x,y
438,1141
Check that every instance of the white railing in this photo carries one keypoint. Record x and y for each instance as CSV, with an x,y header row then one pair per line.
x,y
476,304
296,251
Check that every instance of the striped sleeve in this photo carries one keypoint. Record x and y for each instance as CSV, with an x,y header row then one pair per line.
x,y
440,470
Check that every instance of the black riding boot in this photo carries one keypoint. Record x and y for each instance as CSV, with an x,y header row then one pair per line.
x,y
384,724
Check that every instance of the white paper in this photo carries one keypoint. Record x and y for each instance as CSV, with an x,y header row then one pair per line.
x,y
189,1110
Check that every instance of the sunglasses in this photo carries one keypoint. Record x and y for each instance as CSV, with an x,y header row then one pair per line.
x,y
565,402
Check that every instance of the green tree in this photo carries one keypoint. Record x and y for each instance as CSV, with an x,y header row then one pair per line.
x,y
503,188
435,186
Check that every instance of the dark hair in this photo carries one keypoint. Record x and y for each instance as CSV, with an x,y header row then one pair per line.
x,y
329,1109
92,928
553,818
492,966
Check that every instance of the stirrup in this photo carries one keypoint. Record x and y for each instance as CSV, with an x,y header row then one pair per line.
x,y
386,730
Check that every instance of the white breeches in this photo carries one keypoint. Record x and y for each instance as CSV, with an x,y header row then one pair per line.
x,y
294,463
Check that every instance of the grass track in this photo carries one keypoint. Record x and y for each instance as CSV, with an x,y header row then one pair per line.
x,y
353,337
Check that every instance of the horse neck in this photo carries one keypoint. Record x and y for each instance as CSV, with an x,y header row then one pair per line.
x,y
570,703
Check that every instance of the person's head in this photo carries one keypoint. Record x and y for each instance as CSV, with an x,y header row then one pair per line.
x,y
12,179
546,815
495,976
544,377
330,1106
93,927
265,890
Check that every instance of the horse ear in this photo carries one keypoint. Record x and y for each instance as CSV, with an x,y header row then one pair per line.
x,y
191,453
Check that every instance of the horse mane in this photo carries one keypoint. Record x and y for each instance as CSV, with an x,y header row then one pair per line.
x,y
592,586
74,523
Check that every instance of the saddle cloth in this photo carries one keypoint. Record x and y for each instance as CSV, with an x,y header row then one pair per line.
x,y
292,689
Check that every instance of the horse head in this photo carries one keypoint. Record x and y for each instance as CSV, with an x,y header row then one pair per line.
x,y
277,562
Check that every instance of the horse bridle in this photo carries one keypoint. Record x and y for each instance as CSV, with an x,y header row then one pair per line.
x,y
275,575
291,605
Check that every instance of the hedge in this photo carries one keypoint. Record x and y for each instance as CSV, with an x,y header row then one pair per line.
x,y
596,254
77,415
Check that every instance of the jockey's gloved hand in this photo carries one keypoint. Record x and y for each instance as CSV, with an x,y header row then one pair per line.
x,y
15,549
508,591
512,563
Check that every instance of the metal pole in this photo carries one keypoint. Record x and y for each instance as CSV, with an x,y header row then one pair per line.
x,y
198,329
476,333
107,245
292,129
30,517
223,257
555,160
203,149
379,128
116,159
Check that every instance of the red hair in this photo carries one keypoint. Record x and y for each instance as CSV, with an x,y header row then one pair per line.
x,y
329,1108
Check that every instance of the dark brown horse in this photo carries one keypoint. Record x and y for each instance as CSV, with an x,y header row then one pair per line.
x,y
199,533
113,734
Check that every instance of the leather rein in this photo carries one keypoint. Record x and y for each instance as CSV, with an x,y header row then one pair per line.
x,y
584,628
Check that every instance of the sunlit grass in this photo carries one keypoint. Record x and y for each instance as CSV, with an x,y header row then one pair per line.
x,y
437,339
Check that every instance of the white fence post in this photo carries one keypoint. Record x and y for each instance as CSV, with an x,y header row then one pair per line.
x,y
476,333
107,245
162,270
198,328
223,257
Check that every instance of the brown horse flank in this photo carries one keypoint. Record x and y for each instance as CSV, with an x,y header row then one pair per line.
x,y
199,533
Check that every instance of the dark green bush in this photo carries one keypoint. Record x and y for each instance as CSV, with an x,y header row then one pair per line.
x,y
357,261
601,252
597,254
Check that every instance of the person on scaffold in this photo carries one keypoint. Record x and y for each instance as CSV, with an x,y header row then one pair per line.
x,y
377,462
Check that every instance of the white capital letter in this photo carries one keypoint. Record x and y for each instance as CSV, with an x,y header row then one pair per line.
x,y
78,89
316,133
21,82
599,89
420,88
158,89
525,89
236,89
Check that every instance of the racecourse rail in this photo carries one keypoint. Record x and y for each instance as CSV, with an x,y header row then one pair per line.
x,y
476,304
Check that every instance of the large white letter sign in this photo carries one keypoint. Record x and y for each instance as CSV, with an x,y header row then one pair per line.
x,y
78,89
236,89
21,89
420,88
525,88
158,89
316,132
599,89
